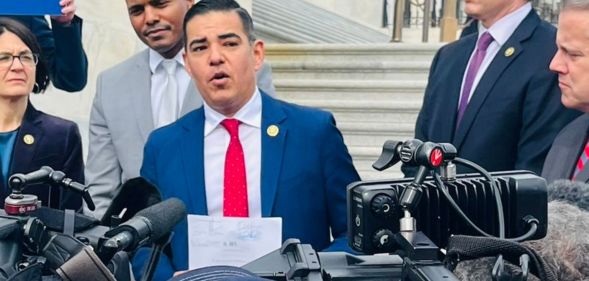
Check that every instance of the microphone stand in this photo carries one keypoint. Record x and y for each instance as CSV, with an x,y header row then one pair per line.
x,y
154,258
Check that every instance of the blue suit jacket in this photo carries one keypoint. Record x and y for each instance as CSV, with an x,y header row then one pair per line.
x,y
62,51
57,143
515,111
305,171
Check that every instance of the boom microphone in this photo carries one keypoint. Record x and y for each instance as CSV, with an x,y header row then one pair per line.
x,y
573,192
17,181
147,226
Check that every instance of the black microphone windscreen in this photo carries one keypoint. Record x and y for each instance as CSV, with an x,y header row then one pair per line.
x,y
164,216
572,192
135,194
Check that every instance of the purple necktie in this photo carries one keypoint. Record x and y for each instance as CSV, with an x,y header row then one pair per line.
x,y
473,68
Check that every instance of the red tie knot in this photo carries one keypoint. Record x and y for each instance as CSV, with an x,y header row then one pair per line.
x,y
232,126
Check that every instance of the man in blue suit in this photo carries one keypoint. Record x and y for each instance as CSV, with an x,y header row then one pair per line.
x,y
491,93
294,163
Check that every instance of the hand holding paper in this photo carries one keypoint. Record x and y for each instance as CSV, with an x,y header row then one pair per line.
x,y
68,9
30,7
230,241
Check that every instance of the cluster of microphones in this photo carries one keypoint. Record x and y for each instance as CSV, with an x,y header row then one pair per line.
x,y
410,218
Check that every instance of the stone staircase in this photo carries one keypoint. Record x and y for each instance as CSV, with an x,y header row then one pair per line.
x,y
299,21
374,91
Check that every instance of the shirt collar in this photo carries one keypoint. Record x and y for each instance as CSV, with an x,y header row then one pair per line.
x,y
155,59
250,114
504,27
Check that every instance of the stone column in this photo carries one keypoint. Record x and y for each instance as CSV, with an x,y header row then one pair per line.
x,y
449,23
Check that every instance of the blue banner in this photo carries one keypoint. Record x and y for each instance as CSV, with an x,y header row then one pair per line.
x,y
30,7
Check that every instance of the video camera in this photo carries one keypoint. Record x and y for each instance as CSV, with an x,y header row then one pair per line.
x,y
409,218
37,243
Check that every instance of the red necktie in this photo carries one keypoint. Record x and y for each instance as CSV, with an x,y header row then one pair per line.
x,y
582,161
235,184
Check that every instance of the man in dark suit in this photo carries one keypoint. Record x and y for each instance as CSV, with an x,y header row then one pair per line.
x,y
61,47
568,156
491,93
291,161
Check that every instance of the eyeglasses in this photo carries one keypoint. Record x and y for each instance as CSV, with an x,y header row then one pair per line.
x,y
27,59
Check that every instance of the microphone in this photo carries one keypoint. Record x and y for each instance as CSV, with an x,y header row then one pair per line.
x,y
18,181
573,192
147,226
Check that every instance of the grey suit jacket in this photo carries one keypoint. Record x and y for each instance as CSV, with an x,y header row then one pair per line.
x,y
564,153
120,122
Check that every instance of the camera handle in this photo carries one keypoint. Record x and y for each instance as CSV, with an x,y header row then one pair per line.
x,y
295,261
421,258
21,204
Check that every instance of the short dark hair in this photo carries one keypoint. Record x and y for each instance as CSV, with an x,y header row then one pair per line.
x,y
24,34
205,6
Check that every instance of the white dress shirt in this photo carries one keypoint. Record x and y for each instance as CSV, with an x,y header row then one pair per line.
x,y
158,79
501,31
216,141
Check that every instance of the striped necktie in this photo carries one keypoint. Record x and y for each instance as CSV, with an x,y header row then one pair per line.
x,y
582,161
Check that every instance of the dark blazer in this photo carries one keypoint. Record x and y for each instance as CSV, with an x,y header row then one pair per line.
x,y
57,144
61,49
470,27
305,171
515,111
565,151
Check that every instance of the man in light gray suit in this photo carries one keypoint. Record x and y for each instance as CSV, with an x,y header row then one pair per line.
x,y
140,94
569,156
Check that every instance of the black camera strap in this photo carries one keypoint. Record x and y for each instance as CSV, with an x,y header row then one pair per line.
x,y
462,247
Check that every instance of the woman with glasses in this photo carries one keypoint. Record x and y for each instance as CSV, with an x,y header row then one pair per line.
x,y
30,139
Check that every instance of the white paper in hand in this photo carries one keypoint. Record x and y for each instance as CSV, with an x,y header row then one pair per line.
x,y
231,241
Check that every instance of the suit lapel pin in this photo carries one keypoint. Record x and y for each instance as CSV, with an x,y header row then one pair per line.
x,y
272,130
509,51
28,139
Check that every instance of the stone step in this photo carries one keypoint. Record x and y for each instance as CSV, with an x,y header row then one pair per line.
x,y
371,174
391,91
374,91
393,117
366,171
301,21
369,118
374,134
352,52
356,70
350,105
365,156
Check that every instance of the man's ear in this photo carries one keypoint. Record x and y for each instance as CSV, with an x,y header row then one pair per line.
x,y
259,53
185,57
